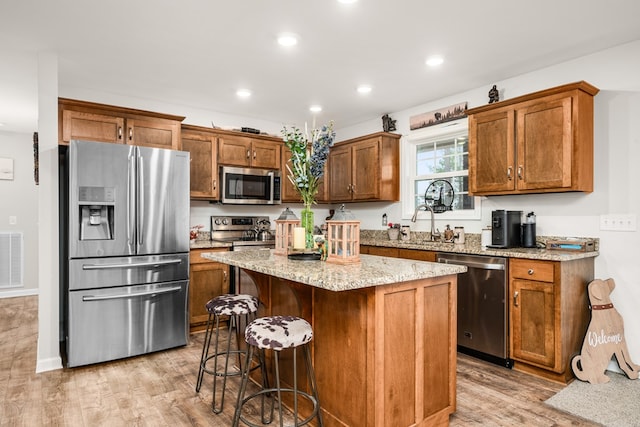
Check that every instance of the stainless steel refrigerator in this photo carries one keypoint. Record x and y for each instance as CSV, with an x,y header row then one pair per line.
x,y
127,276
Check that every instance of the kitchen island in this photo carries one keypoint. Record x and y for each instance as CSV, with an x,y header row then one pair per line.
x,y
384,346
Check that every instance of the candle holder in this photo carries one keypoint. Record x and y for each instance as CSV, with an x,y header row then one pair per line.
x,y
285,224
343,238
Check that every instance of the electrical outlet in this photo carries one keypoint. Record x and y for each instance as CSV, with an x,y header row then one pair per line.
x,y
618,222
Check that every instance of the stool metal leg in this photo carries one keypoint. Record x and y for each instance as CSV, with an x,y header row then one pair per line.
x,y
314,386
223,374
205,352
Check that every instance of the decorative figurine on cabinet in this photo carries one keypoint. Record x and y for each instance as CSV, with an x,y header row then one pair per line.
x,y
494,95
388,124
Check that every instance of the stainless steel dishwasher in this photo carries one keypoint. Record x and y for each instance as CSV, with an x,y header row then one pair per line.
x,y
483,320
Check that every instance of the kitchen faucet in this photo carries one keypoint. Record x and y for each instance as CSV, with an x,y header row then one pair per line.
x,y
434,236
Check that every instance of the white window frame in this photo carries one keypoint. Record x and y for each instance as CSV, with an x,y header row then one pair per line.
x,y
408,166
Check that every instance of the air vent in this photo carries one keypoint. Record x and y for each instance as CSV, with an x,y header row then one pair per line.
x,y
11,259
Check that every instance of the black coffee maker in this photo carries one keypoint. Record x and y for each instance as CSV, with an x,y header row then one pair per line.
x,y
505,229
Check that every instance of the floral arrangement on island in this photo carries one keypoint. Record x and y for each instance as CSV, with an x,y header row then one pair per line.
x,y
308,157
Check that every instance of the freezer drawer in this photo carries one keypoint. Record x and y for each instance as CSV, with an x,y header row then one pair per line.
x,y
112,323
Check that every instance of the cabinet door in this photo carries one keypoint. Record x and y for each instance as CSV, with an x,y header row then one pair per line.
x,y
92,127
234,151
533,322
149,132
491,152
204,169
289,193
365,168
544,141
417,254
207,280
265,154
340,174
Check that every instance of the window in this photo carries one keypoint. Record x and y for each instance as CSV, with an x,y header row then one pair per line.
x,y
439,152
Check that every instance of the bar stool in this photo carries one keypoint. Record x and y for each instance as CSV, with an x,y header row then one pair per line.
x,y
238,308
279,333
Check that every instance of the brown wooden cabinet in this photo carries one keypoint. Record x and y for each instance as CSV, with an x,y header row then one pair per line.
x,y
207,280
289,193
549,314
244,151
365,169
202,144
537,143
416,254
105,123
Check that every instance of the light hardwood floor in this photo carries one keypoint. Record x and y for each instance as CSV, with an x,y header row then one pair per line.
x,y
159,389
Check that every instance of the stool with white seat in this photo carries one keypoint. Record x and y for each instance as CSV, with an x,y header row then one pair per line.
x,y
241,309
279,333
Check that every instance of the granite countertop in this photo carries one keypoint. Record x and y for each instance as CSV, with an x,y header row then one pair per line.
x,y
471,246
371,271
208,244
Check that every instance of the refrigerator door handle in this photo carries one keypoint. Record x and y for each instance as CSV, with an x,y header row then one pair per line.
x,y
139,294
140,201
126,265
130,201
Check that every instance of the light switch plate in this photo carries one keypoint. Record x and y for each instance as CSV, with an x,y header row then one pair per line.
x,y
13,220
618,222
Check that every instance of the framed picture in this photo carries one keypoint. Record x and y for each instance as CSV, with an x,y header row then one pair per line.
x,y
442,115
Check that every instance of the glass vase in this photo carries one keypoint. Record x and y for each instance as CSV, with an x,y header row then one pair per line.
x,y
306,221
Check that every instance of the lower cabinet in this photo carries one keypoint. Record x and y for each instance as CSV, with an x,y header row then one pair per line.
x,y
417,254
549,314
208,279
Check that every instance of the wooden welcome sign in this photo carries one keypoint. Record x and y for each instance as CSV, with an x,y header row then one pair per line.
x,y
604,338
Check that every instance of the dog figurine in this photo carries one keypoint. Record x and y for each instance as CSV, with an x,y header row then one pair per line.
x,y
604,338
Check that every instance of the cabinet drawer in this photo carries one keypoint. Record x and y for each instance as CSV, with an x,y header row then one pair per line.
x,y
195,258
540,271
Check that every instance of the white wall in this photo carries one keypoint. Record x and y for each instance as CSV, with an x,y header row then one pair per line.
x,y
19,198
614,71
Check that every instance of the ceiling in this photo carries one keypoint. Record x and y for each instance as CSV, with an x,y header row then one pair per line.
x,y
197,53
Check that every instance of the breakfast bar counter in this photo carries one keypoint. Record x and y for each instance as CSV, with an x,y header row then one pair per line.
x,y
384,345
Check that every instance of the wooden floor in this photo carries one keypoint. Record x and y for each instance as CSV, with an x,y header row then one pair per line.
x,y
159,389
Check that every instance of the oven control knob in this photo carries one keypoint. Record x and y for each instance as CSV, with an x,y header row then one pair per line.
x,y
225,221
217,221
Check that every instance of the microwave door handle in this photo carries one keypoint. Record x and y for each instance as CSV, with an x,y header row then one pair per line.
x,y
272,186
140,201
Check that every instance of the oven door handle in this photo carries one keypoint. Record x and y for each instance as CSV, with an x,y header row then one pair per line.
x,y
484,266
138,294
124,265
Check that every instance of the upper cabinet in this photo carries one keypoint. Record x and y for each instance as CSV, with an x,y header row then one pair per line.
x,y
202,144
536,143
245,151
105,123
365,169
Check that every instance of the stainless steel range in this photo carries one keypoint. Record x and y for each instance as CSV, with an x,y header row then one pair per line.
x,y
244,233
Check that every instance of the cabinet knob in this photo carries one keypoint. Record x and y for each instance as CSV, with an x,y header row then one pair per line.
x,y
515,299
530,272
254,154
509,170
520,172
130,134
119,132
248,154
213,184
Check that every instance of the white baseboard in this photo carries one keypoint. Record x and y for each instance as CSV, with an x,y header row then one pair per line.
x,y
50,364
12,293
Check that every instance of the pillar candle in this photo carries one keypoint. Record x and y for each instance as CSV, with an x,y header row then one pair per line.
x,y
298,238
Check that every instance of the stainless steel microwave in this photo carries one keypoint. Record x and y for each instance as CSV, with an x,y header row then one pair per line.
x,y
250,186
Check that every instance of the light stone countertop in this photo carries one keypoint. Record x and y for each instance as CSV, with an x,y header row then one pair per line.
x,y
371,271
471,246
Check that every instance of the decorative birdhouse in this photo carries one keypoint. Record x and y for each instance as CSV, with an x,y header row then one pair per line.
x,y
285,225
343,238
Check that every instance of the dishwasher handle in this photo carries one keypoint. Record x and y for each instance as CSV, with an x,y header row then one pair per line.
x,y
473,264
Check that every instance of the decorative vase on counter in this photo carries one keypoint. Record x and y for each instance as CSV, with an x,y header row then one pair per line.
x,y
307,222
393,233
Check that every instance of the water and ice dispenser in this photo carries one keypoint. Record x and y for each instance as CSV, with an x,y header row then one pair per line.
x,y
96,205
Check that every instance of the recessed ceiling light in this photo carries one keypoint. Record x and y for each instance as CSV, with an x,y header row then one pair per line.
x,y
347,1
315,108
287,39
243,93
434,61
364,89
